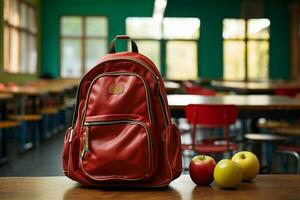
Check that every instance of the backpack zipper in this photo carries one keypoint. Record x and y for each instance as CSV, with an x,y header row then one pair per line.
x,y
155,77
115,122
148,97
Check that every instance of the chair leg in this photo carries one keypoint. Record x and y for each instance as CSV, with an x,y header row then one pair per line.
x,y
296,155
35,127
3,149
46,130
23,130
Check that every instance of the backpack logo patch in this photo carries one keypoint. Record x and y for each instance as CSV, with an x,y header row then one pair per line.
x,y
116,88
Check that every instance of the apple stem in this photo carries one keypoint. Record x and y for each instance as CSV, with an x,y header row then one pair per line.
x,y
203,157
243,156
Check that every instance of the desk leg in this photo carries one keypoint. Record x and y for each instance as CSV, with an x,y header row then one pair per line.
x,y
35,126
3,147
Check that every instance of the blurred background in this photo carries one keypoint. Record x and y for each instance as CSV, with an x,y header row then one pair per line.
x,y
207,48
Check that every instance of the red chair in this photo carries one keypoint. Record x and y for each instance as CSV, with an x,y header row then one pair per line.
x,y
210,116
292,151
2,86
197,90
287,91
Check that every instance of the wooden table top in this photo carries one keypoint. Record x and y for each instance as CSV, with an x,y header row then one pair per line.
x,y
273,187
32,91
253,87
242,101
4,96
172,87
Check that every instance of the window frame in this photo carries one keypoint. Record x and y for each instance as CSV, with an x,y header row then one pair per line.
x,y
245,41
83,39
20,30
163,44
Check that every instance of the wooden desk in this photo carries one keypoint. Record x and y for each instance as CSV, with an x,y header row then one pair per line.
x,y
273,187
249,87
172,87
29,91
5,96
249,106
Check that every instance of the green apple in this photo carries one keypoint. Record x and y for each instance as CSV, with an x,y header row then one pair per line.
x,y
228,174
249,164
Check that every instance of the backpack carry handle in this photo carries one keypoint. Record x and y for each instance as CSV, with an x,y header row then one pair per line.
x,y
112,48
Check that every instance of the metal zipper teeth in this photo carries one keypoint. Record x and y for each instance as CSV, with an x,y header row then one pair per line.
x,y
163,107
127,121
99,123
70,150
155,77
149,103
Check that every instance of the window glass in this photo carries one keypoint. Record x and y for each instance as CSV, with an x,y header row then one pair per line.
x,y
6,52
233,28
32,54
96,26
258,28
71,54
139,27
95,49
181,28
23,52
181,60
14,51
150,49
23,15
234,65
6,11
32,20
258,59
14,17
71,26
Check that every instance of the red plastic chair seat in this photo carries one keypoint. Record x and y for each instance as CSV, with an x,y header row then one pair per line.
x,y
186,147
211,148
289,148
287,91
197,90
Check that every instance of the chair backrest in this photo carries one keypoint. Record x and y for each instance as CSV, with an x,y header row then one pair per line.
x,y
211,115
208,114
198,90
286,91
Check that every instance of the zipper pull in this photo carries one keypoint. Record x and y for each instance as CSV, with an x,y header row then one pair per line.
x,y
85,142
158,88
71,136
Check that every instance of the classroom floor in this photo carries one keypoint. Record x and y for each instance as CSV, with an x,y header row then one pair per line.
x,y
42,161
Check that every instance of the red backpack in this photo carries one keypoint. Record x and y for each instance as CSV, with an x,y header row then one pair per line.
x,y
122,134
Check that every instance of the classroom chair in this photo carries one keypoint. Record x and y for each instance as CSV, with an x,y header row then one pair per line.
x,y
210,117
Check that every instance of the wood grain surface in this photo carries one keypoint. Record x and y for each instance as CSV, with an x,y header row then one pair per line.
x,y
242,101
273,187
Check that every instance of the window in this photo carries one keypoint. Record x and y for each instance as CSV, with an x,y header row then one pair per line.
x,y
20,37
246,49
83,42
179,36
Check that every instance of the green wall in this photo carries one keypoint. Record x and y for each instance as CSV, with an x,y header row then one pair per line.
x,y
211,14
51,11
19,78
1,37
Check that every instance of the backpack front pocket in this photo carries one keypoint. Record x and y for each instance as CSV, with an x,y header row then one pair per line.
x,y
116,149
